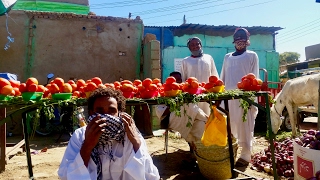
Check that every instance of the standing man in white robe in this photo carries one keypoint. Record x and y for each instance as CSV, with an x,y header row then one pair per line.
x,y
236,65
110,146
198,65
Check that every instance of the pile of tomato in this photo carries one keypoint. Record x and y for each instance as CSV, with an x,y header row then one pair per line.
x,y
145,89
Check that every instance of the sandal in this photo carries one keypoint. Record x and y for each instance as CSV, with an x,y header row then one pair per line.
x,y
241,163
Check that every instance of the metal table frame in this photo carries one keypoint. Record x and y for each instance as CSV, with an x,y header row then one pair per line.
x,y
133,102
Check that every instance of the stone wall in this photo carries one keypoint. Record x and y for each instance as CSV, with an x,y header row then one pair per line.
x,y
151,68
71,46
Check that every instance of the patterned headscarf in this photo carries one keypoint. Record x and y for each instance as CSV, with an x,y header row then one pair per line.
x,y
113,131
190,39
238,38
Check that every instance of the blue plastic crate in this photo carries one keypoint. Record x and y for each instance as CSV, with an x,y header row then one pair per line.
x,y
9,76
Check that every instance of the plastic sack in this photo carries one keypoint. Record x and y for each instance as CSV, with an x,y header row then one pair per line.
x,y
215,132
5,6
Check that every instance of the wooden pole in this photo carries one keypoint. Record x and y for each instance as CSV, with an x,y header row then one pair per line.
x,y
27,142
2,141
229,138
271,137
319,106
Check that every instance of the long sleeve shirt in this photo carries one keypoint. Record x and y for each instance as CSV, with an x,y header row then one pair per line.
x,y
199,67
127,164
235,67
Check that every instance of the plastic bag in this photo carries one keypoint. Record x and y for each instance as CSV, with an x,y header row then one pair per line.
x,y
215,132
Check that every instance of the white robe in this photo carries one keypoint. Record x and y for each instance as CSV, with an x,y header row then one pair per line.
x,y
233,69
201,68
197,119
128,165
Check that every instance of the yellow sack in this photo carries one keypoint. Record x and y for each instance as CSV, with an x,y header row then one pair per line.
x,y
215,132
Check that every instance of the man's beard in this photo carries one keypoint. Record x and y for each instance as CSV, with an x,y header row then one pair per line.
x,y
197,53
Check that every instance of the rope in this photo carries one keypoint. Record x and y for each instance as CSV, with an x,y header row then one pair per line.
x,y
277,111
7,24
10,39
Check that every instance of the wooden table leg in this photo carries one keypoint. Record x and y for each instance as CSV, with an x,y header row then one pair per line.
x,y
143,120
230,139
271,137
26,138
2,141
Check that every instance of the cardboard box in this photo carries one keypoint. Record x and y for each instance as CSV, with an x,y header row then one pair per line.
x,y
306,162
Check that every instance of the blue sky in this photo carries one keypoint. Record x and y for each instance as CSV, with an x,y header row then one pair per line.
x,y
299,18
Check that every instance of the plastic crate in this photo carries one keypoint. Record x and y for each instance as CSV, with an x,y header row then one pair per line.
x,y
9,76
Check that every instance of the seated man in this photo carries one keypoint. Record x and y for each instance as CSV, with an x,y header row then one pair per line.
x,y
110,146
194,116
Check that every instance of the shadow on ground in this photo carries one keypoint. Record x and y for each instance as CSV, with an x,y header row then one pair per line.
x,y
177,161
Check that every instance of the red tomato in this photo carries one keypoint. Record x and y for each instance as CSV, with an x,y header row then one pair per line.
x,y
146,82
33,87
175,86
213,79
219,82
96,80
23,87
170,80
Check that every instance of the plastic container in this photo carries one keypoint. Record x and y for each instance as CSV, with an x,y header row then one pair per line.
x,y
9,76
128,95
149,94
172,93
35,96
195,91
306,162
61,96
216,89
88,94
252,88
3,97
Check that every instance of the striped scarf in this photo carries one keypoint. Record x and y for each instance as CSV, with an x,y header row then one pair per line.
x,y
113,131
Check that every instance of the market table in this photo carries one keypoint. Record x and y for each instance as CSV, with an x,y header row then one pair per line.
x,y
173,102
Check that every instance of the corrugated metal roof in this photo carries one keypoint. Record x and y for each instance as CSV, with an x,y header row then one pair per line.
x,y
225,28
311,61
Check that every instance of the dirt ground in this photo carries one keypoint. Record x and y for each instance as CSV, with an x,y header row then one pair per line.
x,y
175,165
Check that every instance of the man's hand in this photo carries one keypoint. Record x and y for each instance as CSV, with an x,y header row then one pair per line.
x,y
93,132
131,131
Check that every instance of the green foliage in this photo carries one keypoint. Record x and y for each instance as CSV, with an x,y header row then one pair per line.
x,y
289,57
43,107
282,135
174,103
245,106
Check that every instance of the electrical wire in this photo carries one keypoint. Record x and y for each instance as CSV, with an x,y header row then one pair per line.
x,y
286,38
300,28
298,34
217,11
199,9
116,3
174,7
122,5
298,37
